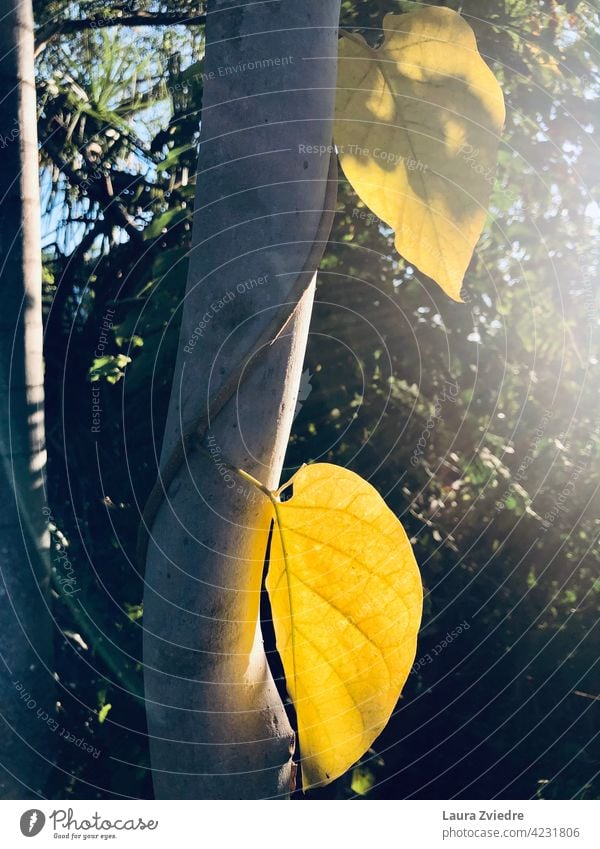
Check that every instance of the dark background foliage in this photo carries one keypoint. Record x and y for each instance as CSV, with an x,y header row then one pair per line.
x,y
479,423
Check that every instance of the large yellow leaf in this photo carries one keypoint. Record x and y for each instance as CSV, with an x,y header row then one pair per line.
x,y
346,599
417,126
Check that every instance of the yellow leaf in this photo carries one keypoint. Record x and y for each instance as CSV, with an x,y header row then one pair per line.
x,y
417,125
346,599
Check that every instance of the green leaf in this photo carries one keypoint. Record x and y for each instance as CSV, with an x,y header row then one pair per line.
x,y
172,158
165,222
363,780
110,367
417,125
103,713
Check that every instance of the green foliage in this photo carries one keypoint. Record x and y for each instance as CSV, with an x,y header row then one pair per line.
x,y
111,368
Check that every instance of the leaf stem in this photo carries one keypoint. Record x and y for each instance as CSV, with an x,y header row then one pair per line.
x,y
248,477
356,37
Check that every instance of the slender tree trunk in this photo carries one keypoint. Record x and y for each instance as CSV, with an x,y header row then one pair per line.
x,y
26,683
217,726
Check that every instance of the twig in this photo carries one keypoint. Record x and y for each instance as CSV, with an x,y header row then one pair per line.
x,y
586,695
48,33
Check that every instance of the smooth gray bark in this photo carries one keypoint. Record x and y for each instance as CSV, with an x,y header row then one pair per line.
x,y
218,728
26,683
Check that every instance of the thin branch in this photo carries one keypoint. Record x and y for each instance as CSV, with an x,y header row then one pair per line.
x,y
139,19
98,189
586,695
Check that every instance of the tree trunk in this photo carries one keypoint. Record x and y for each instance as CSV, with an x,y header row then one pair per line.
x,y
26,682
217,726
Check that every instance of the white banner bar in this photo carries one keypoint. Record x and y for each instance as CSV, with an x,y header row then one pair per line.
x,y
260,825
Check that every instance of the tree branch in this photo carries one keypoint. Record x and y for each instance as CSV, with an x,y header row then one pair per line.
x,y
98,189
139,19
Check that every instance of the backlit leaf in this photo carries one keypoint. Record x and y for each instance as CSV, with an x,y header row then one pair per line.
x,y
417,126
103,713
346,599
